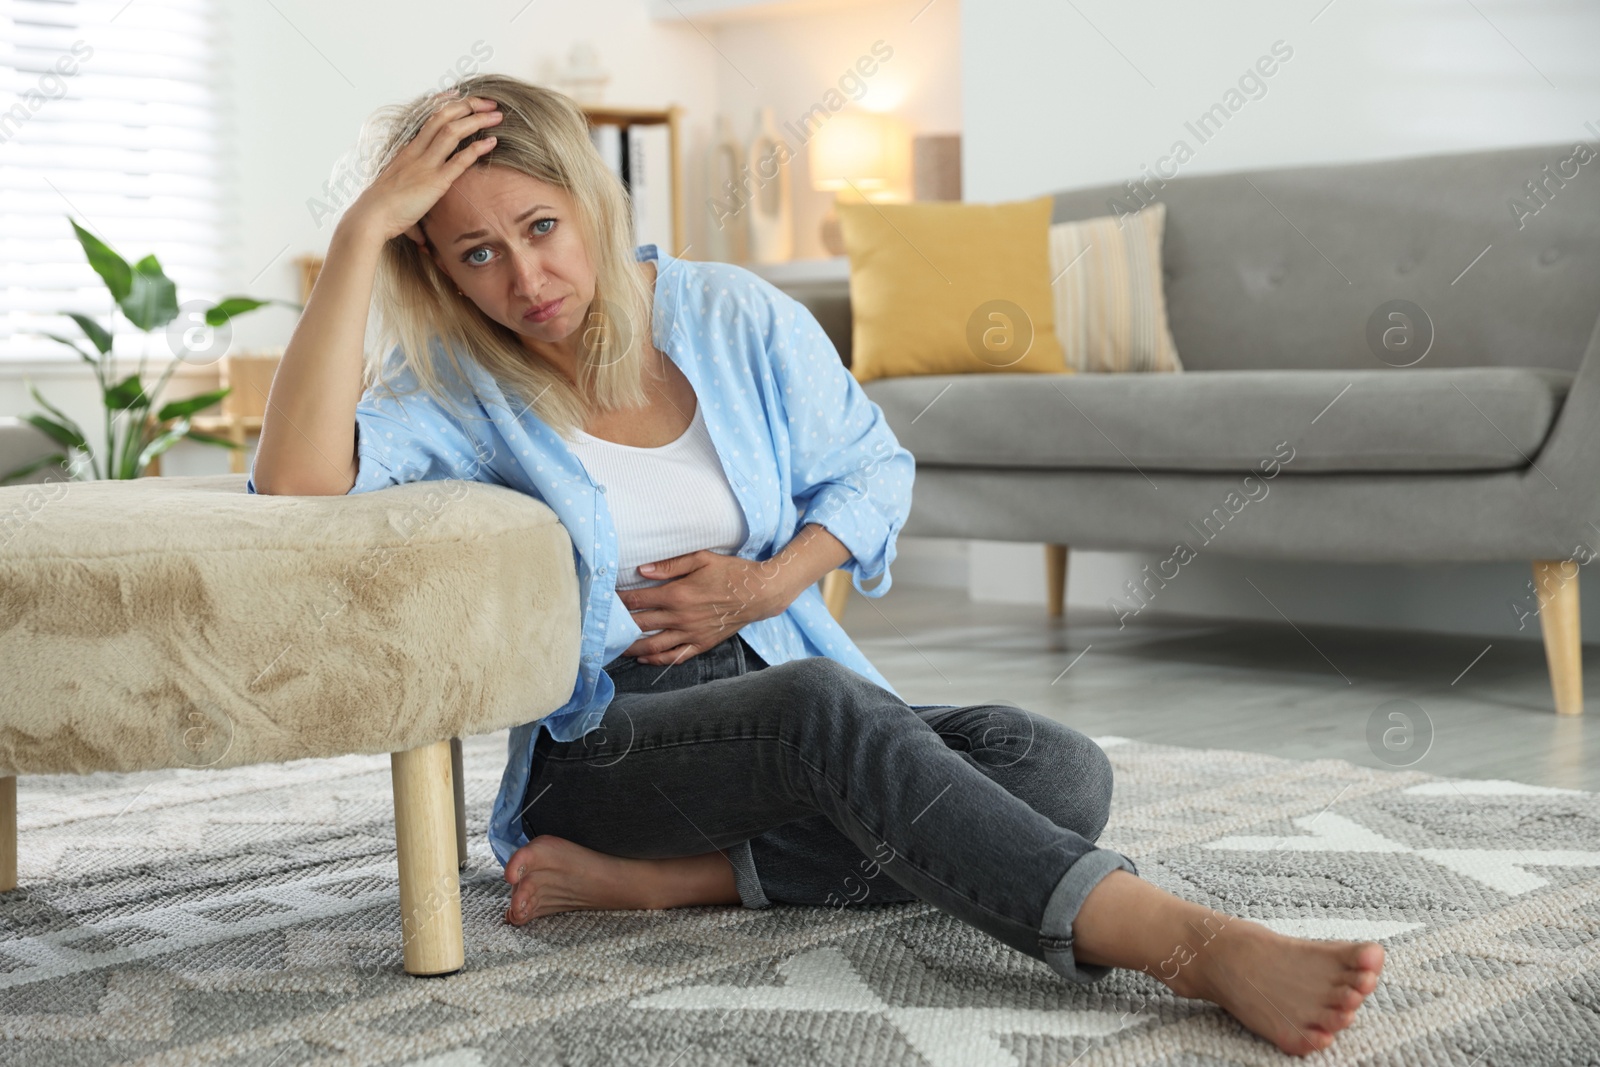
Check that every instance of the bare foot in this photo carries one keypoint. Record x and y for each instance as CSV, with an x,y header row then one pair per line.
x,y
551,875
1296,993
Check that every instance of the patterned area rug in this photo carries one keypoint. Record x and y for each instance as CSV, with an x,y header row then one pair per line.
x,y
251,917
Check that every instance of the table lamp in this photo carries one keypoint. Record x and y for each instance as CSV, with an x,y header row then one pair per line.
x,y
858,156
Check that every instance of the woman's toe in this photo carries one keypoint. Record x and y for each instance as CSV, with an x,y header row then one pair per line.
x,y
1333,1021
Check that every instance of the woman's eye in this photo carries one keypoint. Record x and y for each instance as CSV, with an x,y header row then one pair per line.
x,y
471,262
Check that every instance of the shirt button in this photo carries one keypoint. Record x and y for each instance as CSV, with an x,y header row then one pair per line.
x,y
601,488
600,569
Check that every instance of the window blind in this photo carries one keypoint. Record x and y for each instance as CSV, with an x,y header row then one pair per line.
x,y
109,116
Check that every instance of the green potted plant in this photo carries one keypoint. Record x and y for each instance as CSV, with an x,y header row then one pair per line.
x,y
149,300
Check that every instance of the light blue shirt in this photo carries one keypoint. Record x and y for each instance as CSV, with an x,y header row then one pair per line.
x,y
798,438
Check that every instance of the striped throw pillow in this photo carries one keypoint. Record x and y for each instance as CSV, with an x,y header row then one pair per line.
x,y
1111,315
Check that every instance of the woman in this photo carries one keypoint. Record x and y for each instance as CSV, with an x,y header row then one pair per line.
x,y
697,435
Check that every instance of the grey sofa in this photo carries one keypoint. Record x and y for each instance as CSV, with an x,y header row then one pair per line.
x,y
1279,286
22,445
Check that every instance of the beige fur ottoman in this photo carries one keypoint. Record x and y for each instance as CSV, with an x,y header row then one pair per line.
x,y
181,622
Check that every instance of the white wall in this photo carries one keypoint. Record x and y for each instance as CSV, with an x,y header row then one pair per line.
x,y
1056,100
1058,96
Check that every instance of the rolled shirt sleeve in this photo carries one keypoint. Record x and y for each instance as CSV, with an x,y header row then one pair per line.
x,y
849,472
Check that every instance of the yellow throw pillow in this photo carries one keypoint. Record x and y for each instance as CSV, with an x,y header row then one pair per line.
x,y
940,287
1110,307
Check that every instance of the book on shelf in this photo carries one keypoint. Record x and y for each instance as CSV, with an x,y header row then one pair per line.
x,y
608,142
650,184
641,157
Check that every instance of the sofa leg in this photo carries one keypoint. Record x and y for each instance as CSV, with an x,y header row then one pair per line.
x,y
835,592
1556,583
1055,579
430,881
458,776
8,833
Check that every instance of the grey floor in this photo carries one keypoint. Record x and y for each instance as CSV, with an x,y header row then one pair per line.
x,y
1309,693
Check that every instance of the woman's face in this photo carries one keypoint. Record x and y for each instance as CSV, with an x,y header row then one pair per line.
x,y
512,245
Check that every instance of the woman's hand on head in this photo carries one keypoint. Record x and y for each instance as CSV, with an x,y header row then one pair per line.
x,y
425,168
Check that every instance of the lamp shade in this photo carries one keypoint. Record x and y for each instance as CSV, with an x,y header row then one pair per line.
x,y
860,149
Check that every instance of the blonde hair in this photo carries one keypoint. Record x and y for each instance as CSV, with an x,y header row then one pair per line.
x,y
544,135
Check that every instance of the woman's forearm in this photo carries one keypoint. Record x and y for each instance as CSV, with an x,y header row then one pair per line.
x,y
813,553
308,433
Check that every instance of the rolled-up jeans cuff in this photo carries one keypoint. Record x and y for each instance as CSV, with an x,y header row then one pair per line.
x,y
1055,929
744,876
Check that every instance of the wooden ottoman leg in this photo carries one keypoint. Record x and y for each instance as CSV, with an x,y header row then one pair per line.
x,y
1055,579
430,882
1556,583
458,775
8,833
836,592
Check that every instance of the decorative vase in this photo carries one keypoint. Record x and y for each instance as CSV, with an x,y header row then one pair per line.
x,y
771,205
584,79
727,235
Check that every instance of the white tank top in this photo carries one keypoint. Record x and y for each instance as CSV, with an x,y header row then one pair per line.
x,y
665,501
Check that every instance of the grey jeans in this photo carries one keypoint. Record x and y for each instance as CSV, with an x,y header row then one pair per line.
x,y
822,787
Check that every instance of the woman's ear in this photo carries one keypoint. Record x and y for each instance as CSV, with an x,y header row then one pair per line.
x,y
425,247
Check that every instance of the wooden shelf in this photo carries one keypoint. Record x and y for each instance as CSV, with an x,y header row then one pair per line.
x,y
237,415
223,423
606,114
672,118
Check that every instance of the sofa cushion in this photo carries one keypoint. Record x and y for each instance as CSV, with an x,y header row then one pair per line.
x,y
1478,418
926,282
1111,315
